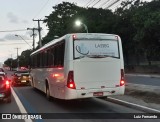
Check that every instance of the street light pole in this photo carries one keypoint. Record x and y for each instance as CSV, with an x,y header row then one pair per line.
x,y
23,39
17,59
11,63
85,27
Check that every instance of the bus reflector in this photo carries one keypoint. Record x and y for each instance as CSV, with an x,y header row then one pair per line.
x,y
122,82
74,37
70,80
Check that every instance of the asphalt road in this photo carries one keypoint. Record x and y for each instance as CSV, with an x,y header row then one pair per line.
x,y
34,101
9,108
143,80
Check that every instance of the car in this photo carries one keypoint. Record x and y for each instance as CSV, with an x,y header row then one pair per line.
x,y
1,70
5,88
21,77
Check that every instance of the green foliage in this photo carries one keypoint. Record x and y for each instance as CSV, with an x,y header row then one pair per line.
x,y
58,21
62,20
136,22
140,29
24,60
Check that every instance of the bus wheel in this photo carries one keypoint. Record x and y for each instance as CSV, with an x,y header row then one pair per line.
x,y
32,83
48,93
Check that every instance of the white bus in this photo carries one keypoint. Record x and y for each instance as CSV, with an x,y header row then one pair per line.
x,y
80,65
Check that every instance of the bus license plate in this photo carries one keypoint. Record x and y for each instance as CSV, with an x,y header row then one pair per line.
x,y
98,94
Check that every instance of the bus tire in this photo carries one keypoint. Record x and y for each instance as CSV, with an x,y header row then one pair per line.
x,y
48,92
32,83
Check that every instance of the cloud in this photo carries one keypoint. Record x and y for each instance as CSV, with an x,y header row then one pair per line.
x,y
12,18
1,39
25,21
13,37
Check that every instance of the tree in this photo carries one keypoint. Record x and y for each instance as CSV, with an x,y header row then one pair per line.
x,y
57,21
24,59
146,20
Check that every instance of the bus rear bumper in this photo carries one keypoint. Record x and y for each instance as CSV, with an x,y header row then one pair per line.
x,y
88,93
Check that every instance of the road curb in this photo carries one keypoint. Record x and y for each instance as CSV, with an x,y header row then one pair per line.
x,y
132,105
144,75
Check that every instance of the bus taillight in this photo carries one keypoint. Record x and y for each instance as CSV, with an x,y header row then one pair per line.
x,y
70,80
122,81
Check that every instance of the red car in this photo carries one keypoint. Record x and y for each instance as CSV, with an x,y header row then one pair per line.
x,y
5,88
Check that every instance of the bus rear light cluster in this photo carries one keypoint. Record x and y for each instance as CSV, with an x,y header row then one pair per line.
x,y
122,81
70,80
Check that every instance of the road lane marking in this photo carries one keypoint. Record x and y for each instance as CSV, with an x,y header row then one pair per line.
x,y
146,109
20,106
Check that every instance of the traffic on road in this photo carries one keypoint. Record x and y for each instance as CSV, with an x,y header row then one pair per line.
x,y
32,100
83,61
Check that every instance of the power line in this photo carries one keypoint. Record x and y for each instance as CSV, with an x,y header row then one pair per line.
x,y
104,3
12,30
91,3
96,3
87,3
41,8
113,3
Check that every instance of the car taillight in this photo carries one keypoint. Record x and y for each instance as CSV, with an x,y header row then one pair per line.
x,y
7,84
70,80
122,81
56,75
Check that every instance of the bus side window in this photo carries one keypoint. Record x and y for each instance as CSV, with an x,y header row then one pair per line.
x,y
59,55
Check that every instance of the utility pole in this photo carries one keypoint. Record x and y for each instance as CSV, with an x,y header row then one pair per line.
x,y
11,63
33,29
17,59
39,31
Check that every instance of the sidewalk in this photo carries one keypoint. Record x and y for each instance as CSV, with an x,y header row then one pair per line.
x,y
144,75
144,95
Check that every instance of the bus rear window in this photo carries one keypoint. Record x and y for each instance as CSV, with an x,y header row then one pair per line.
x,y
96,48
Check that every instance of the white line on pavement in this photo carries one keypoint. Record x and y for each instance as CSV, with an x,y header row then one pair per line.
x,y
135,105
20,106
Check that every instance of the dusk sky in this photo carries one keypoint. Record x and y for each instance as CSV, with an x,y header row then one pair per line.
x,y
18,15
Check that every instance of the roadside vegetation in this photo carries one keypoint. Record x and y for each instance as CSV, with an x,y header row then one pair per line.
x,y
137,23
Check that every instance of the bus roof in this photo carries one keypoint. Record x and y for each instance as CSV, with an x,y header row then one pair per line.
x,y
78,35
